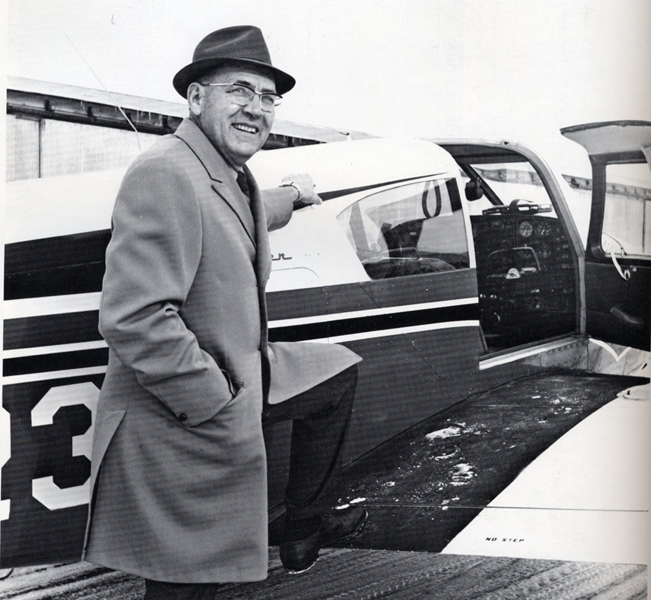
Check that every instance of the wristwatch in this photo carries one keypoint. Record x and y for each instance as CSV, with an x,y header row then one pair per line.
x,y
292,184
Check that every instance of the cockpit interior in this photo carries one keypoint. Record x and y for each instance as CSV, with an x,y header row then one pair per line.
x,y
526,272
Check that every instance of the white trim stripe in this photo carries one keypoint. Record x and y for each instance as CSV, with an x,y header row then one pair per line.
x,y
50,305
366,335
31,377
21,352
355,314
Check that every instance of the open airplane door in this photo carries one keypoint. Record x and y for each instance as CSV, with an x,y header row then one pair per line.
x,y
618,252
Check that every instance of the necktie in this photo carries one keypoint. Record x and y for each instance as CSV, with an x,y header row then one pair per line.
x,y
243,183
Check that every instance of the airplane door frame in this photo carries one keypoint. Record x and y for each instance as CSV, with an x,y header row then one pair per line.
x,y
618,299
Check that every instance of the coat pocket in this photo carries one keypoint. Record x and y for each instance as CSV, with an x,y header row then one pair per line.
x,y
233,384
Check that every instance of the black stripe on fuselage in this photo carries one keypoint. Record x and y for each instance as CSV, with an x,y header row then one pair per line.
x,y
51,330
55,362
384,294
369,324
363,188
69,264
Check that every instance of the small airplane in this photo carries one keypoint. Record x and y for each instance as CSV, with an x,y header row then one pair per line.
x,y
452,267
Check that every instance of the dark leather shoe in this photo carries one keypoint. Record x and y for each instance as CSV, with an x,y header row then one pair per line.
x,y
336,525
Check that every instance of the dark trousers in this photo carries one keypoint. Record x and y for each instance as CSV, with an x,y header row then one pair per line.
x,y
320,421
321,416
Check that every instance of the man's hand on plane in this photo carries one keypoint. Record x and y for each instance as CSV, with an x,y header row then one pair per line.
x,y
304,188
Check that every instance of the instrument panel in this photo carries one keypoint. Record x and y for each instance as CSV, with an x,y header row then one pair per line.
x,y
526,277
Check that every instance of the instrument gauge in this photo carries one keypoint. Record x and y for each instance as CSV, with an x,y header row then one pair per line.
x,y
544,251
525,229
543,229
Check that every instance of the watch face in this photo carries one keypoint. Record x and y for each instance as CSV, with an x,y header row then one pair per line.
x,y
525,229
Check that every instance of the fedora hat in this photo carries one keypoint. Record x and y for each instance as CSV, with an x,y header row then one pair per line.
x,y
243,44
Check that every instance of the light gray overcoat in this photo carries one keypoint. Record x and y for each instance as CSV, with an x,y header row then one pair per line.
x,y
178,440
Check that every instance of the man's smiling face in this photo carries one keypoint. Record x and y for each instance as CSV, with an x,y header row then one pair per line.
x,y
238,132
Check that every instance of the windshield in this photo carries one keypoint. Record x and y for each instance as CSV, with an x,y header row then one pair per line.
x,y
504,182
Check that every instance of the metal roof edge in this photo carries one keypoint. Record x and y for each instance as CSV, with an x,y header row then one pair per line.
x,y
168,108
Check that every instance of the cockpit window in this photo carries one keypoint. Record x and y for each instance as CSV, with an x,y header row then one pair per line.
x,y
408,230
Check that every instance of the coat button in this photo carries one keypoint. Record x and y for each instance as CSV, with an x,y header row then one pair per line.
x,y
182,417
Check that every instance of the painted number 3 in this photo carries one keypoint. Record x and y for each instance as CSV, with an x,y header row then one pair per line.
x,y
44,489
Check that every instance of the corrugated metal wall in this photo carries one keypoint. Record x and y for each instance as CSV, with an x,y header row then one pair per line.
x,y
22,149
46,148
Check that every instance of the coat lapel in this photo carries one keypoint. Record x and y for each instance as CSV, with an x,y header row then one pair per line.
x,y
253,218
223,180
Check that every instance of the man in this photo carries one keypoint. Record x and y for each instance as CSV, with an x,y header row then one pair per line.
x,y
179,470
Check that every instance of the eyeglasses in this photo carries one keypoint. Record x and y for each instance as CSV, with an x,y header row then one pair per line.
x,y
243,95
